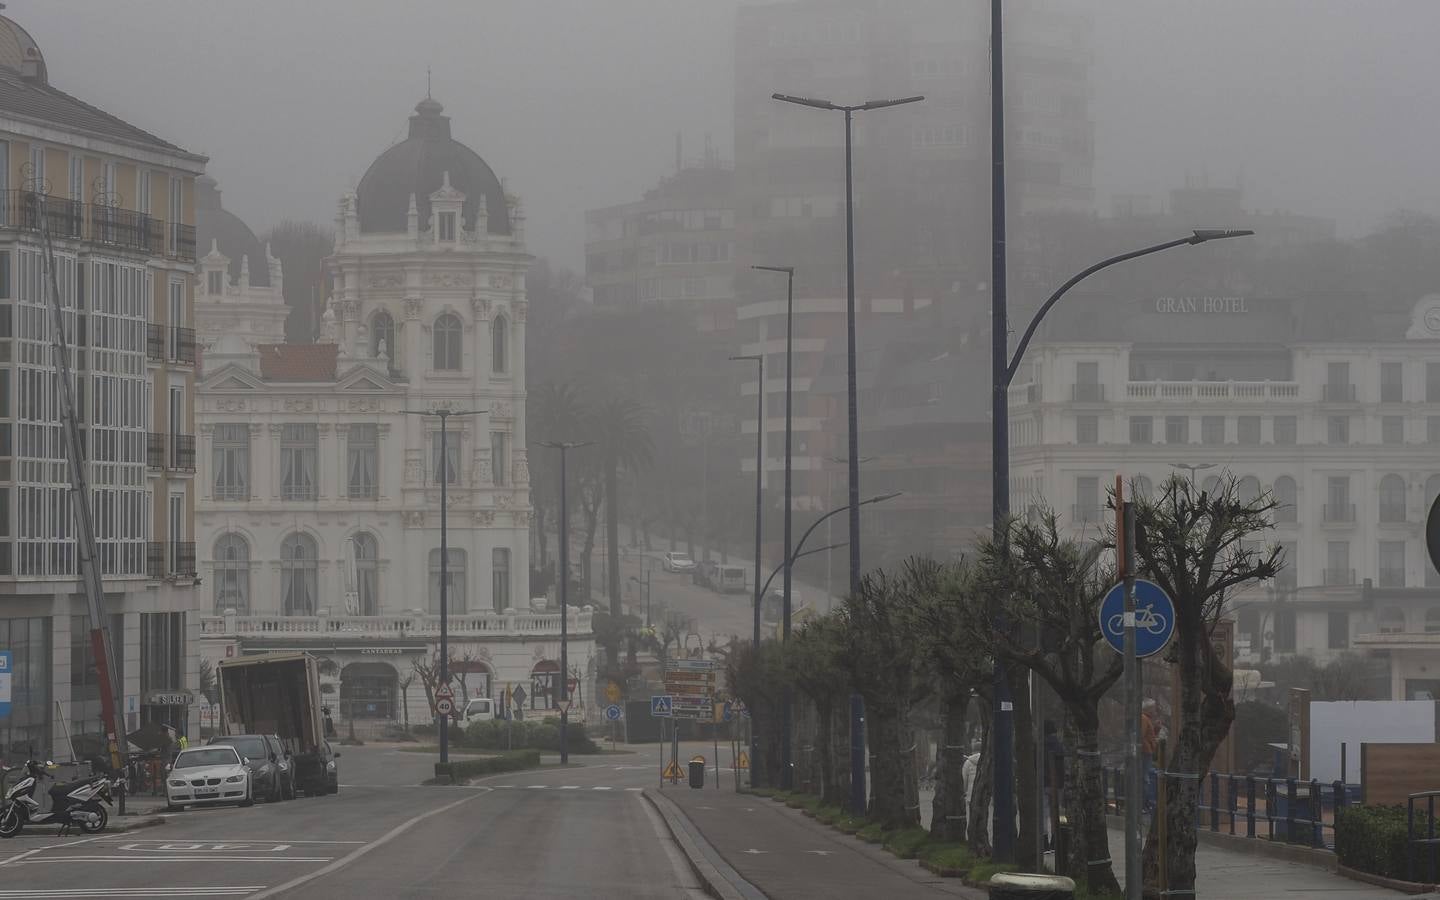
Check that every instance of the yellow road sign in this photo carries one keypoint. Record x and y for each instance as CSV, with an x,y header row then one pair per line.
x,y
672,771
744,761
612,692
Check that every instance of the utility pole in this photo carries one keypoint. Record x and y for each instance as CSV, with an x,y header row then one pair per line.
x,y
563,447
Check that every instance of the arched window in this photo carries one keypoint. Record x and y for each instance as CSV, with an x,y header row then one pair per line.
x,y
1141,488
1392,498
446,335
1284,492
368,691
1391,620
1432,620
455,583
382,336
232,574
367,577
299,578
545,685
499,345
1248,490
475,676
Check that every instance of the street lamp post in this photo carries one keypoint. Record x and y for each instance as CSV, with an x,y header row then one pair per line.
x,y
444,472
787,710
857,706
646,585
759,360
563,447
1192,468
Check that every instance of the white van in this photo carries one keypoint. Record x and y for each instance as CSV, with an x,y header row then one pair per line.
x,y
480,708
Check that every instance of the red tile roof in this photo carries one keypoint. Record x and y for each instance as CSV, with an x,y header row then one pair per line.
x,y
298,362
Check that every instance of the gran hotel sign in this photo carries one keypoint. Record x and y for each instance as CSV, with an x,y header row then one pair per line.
x,y
1202,305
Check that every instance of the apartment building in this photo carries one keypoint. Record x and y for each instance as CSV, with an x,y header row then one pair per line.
x,y
119,205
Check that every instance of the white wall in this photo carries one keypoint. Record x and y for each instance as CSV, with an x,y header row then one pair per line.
x,y
1354,721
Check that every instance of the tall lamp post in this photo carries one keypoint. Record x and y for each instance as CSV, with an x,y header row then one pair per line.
x,y
759,360
1192,468
857,706
444,472
787,707
563,447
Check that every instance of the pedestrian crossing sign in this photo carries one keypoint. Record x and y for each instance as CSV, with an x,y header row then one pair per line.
x,y
672,771
744,761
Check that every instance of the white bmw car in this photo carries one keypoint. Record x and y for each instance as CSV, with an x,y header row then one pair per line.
x,y
205,775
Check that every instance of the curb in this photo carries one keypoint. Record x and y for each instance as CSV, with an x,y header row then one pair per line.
x,y
1394,884
147,822
716,885
1256,846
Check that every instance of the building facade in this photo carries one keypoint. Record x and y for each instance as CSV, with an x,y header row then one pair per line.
x,y
322,464
119,205
240,285
1332,411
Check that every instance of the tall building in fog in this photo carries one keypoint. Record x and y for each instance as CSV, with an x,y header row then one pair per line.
x,y
119,202
921,189
673,248
240,284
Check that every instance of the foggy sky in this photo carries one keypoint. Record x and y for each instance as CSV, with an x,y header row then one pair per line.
x,y
1318,106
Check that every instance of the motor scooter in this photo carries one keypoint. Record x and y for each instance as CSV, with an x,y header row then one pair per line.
x,y
73,804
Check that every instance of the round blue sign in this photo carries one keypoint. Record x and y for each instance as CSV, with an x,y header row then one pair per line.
x,y
1154,618
612,712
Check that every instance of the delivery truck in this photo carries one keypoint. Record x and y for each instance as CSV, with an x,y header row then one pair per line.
x,y
277,694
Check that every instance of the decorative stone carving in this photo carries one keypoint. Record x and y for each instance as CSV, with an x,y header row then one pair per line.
x,y
448,279
519,311
437,405
363,404
413,518
502,409
386,281
484,518
230,404
504,282
414,471
480,307
350,310
481,474
206,428
413,307
522,472
521,518
299,404
504,501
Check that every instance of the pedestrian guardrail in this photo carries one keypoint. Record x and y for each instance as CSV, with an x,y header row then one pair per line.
x,y
1429,841
1287,810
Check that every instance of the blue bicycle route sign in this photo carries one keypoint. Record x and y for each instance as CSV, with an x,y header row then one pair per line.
x,y
6,662
1154,618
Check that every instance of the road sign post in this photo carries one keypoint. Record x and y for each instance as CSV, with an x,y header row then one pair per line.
x,y
7,662
1133,845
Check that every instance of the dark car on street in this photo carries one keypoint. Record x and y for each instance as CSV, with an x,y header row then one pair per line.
x,y
272,776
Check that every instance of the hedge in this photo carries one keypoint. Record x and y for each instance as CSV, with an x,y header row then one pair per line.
x,y
1373,839
490,765
542,735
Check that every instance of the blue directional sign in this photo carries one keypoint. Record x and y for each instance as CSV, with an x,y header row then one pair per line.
x,y
729,711
1154,618
612,712
662,705
6,662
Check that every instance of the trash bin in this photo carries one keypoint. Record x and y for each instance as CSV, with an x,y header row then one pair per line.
x,y
697,773
1015,886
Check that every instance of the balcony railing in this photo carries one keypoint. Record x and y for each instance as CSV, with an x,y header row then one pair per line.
x,y
1339,393
182,345
1202,391
1392,577
1339,512
380,628
155,560
1285,580
1392,512
155,450
155,342
1391,393
1087,393
1086,513
122,228
1339,576
182,558
182,452
180,242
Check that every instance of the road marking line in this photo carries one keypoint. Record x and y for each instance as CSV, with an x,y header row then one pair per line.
x,y
358,852
20,856
636,790
199,891
189,857
538,787
118,838
569,787
603,787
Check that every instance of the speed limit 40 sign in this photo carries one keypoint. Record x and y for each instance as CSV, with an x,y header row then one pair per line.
x,y
444,706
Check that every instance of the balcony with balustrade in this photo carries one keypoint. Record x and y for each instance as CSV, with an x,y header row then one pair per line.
x,y
325,627
1212,391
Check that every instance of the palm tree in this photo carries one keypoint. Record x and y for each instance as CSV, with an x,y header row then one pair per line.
x,y
620,428
557,413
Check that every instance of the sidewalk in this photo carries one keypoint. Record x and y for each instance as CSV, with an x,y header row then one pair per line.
x,y
784,854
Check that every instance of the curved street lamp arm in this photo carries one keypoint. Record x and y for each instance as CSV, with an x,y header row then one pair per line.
x,y
798,556
1014,364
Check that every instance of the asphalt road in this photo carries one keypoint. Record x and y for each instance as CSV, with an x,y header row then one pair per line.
x,y
581,831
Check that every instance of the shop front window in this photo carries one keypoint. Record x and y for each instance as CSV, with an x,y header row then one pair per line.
x,y
26,732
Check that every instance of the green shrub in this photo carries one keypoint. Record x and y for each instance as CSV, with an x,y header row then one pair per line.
x,y
948,857
493,735
981,873
1373,838
873,833
906,842
490,765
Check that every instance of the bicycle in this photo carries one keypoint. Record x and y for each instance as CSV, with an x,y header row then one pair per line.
x,y
1145,617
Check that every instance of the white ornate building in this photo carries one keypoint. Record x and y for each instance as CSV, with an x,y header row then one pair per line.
x,y
231,297
319,508
1330,407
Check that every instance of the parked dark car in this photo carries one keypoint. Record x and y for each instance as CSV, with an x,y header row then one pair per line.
x,y
326,778
272,774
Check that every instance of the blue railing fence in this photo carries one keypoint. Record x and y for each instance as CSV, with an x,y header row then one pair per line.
x,y
1429,841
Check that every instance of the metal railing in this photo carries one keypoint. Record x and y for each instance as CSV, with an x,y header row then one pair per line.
x,y
1392,512
122,228
1087,393
1339,512
1284,810
182,344
182,452
155,342
1340,576
155,560
180,243
182,558
155,450
1338,393
98,222
1430,841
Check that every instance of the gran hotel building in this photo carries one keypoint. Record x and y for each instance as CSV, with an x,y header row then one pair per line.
x,y
1332,408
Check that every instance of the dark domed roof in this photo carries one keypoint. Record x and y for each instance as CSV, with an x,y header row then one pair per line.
x,y
234,237
417,165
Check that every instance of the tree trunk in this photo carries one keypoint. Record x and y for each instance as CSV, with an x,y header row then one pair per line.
x,y
893,789
612,535
982,788
1085,801
947,811
1028,854
839,743
1206,711
825,749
